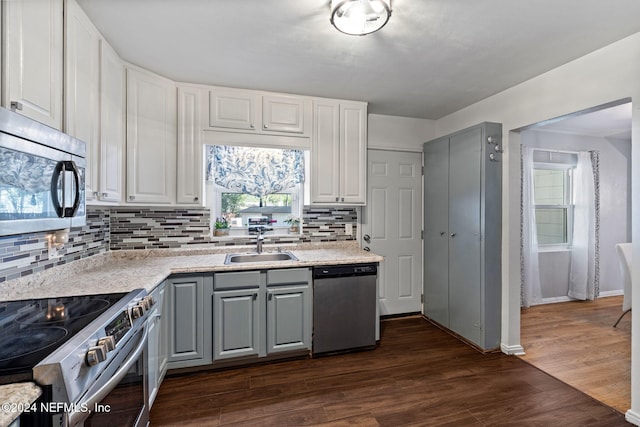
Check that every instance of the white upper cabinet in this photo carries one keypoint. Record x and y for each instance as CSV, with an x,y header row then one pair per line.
x,y
283,113
239,110
82,91
190,164
94,104
339,152
32,76
151,138
353,153
112,129
231,108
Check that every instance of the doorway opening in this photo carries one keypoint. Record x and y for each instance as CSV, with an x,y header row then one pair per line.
x,y
575,340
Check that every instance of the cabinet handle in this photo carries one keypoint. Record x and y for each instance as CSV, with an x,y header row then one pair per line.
x,y
342,199
367,238
366,248
104,195
442,233
265,126
251,126
270,297
15,105
255,296
132,197
96,194
453,234
337,199
195,199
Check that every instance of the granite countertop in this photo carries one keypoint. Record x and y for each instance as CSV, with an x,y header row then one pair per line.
x,y
14,398
123,271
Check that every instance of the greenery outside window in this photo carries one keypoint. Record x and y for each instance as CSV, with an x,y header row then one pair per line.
x,y
553,197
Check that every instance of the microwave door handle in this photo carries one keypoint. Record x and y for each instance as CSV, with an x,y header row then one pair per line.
x,y
70,212
59,169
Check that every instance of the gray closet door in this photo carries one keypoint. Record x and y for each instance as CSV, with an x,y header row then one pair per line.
x,y
436,233
464,234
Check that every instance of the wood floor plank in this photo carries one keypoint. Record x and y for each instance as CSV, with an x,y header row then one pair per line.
x,y
417,376
577,343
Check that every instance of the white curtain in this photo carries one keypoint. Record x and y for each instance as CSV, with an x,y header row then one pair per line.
x,y
531,293
583,249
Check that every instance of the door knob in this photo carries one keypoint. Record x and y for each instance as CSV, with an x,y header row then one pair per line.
x,y
367,238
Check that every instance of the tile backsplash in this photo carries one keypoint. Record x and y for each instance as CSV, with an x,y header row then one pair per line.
x,y
26,254
123,228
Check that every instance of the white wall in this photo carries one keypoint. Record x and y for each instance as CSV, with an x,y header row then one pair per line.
x,y
609,74
399,133
615,201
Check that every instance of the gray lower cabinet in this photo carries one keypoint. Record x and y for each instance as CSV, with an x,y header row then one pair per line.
x,y
462,236
157,346
260,313
189,320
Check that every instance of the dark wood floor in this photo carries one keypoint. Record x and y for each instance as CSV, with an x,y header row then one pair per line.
x,y
418,376
577,343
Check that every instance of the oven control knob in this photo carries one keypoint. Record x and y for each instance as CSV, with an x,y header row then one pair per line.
x,y
96,354
109,343
150,301
138,310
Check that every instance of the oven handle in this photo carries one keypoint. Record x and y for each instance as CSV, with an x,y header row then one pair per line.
x,y
77,417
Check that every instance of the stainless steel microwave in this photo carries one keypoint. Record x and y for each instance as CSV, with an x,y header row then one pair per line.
x,y
42,174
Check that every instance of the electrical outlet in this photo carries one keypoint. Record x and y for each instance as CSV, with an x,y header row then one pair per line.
x,y
348,229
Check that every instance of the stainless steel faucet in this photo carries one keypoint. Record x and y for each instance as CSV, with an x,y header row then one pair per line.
x,y
259,241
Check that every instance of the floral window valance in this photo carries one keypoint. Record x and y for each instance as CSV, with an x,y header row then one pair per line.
x,y
256,171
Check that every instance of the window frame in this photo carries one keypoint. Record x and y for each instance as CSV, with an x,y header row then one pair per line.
x,y
298,193
568,205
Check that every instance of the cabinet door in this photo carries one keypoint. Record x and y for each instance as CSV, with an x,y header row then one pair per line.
x,y
436,231
190,321
82,96
353,153
283,114
190,166
33,59
464,230
237,323
325,152
112,129
157,344
233,109
151,138
288,318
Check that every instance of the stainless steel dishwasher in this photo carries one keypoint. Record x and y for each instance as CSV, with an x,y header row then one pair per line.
x,y
344,307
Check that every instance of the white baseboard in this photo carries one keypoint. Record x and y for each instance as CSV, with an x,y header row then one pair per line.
x,y
633,417
512,350
603,294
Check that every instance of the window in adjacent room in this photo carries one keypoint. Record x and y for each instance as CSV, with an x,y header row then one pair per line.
x,y
553,197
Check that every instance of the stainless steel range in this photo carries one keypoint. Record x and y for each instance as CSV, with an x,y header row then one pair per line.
x,y
87,353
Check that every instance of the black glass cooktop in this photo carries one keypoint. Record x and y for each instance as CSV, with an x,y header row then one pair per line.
x,y
32,329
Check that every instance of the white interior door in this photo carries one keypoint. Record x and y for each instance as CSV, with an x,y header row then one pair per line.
x,y
392,225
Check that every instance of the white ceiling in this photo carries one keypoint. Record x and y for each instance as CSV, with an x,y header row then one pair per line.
x,y
613,122
433,57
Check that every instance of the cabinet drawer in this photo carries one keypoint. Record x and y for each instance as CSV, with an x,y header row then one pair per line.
x,y
236,280
282,277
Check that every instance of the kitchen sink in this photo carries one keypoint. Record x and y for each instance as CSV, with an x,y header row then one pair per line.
x,y
262,257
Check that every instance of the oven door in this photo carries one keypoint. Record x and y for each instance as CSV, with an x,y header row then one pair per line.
x,y
119,396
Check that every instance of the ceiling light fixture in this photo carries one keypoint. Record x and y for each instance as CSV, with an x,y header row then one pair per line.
x,y
360,17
